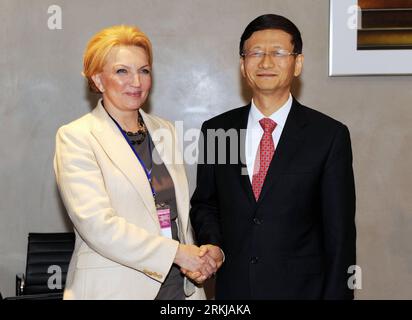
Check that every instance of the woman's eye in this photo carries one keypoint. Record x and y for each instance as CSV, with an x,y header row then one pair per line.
x,y
120,71
145,71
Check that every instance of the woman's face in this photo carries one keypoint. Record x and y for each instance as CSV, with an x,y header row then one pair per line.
x,y
126,78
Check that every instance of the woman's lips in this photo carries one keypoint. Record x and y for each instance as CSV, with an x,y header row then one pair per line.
x,y
134,94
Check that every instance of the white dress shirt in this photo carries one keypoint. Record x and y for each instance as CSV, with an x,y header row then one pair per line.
x,y
254,131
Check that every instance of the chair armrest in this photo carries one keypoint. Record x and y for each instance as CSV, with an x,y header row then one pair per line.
x,y
40,296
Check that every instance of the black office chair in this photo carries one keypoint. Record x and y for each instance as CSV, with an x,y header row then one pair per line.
x,y
48,258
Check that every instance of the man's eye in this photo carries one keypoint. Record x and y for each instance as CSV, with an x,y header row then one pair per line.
x,y
120,71
256,54
282,53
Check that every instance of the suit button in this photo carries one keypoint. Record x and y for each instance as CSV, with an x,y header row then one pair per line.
x,y
257,221
254,260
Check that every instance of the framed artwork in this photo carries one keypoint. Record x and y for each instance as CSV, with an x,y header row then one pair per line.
x,y
370,37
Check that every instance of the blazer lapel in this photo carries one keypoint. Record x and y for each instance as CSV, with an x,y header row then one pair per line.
x,y
120,152
167,148
288,145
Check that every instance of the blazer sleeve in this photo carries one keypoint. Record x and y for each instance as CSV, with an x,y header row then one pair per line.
x,y
204,213
83,192
338,214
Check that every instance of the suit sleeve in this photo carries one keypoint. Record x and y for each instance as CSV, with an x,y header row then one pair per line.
x,y
83,192
338,214
204,213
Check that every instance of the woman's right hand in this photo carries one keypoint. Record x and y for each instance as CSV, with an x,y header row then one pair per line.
x,y
189,258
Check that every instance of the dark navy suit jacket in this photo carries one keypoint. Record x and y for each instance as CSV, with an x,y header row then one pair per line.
x,y
299,239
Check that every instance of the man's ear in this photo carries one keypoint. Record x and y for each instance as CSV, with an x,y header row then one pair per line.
x,y
299,65
242,66
97,79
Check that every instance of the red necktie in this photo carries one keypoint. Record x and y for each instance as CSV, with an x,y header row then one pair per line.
x,y
264,156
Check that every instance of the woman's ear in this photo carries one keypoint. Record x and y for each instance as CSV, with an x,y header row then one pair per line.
x,y
97,79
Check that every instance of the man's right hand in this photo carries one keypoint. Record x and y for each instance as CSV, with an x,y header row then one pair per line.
x,y
214,257
192,261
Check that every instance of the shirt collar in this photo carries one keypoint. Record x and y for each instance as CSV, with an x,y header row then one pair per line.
x,y
279,116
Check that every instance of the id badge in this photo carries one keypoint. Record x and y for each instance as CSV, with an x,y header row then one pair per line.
x,y
163,214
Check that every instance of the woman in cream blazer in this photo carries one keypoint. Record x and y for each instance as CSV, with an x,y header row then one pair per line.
x,y
120,252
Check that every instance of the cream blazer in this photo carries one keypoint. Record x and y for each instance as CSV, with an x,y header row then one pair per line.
x,y
119,251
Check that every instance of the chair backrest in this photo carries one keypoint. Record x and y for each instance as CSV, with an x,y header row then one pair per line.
x,y
48,258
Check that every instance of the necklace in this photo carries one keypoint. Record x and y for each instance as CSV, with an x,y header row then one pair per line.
x,y
139,136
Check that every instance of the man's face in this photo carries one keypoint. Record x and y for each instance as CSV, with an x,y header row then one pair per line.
x,y
270,75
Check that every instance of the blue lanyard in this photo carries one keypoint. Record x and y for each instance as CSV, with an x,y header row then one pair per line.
x,y
148,172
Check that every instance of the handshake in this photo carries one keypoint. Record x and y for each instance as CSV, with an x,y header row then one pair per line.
x,y
198,263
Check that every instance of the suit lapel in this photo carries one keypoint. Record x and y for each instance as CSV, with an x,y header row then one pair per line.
x,y
289,143
242,168
120,152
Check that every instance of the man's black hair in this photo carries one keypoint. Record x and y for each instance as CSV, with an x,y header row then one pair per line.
x,y
273,21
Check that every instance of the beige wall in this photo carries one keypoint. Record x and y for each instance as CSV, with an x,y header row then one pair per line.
x,y
196,76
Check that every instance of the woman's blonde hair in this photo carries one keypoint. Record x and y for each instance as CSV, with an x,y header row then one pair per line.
x,y
105,40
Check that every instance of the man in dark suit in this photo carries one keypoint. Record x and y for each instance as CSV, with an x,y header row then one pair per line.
x,y
280,201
